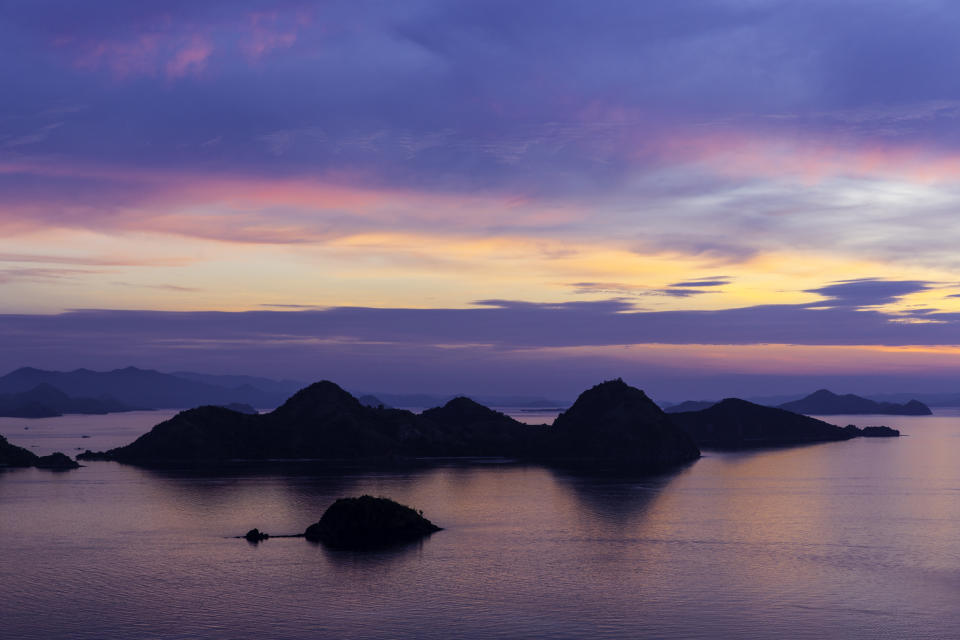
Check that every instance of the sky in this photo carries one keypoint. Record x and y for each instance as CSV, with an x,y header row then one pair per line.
x,y
707,198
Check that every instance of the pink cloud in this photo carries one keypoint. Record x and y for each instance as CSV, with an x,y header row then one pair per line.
x,y
123,58
147,54
266,34
161,49
192,57
249,209
810,160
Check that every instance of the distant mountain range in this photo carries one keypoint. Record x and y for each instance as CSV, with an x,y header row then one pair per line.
x,y
824,402
133,388
30,392
45,401
38,393
422,400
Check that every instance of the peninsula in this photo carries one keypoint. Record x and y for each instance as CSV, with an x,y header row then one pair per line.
x,y
738,424
14,456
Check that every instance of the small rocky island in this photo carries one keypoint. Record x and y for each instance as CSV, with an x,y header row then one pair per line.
x,y
14,456
369,523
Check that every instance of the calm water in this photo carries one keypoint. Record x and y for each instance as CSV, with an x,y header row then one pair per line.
x,y
857,539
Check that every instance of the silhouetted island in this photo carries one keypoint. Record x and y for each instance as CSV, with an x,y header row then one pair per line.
x,y
369,523
878,432
738,424
610,421
14,456
824,402
255,535
56,462
46,401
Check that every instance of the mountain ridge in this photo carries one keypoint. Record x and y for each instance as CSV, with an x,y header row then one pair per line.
x,y
825,402
323,421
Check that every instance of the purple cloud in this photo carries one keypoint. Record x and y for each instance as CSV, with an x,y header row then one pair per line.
x,y
705,282
866,292
495,347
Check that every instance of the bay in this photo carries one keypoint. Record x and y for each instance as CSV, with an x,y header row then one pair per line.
x,y
855,539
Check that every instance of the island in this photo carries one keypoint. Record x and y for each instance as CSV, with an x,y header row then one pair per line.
x,y
824,402
369,523
610,421
14,456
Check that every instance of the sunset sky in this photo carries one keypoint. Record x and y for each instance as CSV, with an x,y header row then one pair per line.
x,y
705,197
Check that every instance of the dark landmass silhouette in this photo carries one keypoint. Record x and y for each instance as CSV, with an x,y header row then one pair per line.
x,y
421,400
14,456
145,389
738,424
463,427
46,401
611,421
369,523
241,407
370,400
56,462
255,535
614,421
689,405
824,402
878,432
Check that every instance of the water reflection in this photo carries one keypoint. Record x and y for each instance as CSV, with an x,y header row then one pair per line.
x,y
369,565
613,500
854,539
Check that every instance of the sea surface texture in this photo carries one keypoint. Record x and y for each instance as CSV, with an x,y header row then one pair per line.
x,y
856,539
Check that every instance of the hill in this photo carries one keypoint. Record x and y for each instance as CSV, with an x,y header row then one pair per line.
x,y
614,421
14,456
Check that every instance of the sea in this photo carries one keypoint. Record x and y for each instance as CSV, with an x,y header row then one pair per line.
x,y
856,539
